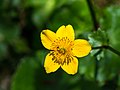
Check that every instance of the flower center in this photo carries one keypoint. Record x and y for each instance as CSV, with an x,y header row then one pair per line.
x,y
62,51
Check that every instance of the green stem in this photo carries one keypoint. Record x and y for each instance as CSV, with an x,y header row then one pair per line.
x,y
109,48
95,25
93,16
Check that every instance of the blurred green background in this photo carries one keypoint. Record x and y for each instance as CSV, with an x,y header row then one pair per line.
x,y
22,54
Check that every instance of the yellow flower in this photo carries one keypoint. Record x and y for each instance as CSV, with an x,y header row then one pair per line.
x,y
64,49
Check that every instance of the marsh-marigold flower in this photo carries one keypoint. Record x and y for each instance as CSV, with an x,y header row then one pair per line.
x,y
64,49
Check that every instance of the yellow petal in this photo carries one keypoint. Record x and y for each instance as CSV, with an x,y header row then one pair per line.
x,y
66,32
49,64
81,48
47,37
72,67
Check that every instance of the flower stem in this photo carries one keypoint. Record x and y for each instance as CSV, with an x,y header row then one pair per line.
x,y
95,25
93,16
109,48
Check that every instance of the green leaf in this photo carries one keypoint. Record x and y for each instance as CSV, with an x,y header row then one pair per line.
x,y
108,67
87,67
73,12
98,38
109,64
41,14
25,74
110,23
